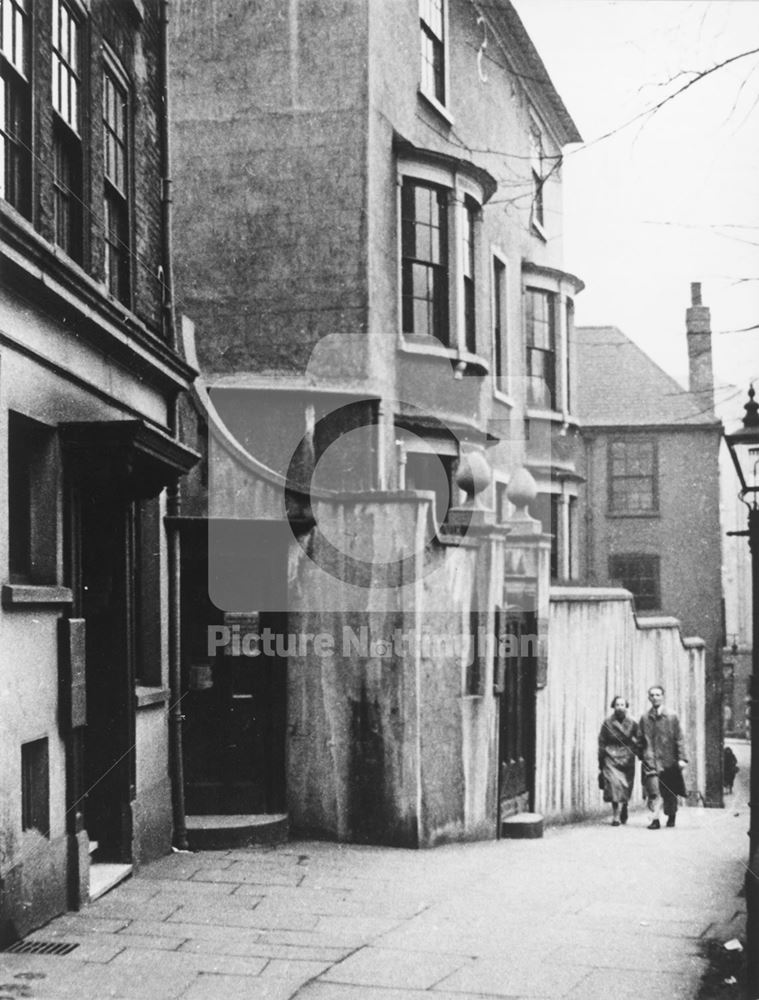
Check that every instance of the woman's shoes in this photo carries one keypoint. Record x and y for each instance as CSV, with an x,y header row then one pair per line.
x,y
654,825
615,822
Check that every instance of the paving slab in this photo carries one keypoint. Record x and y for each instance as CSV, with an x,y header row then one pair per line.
x,y
516,978
212,986
392,968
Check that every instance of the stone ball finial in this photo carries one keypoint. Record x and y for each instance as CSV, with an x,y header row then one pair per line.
x,y
474,474
522,488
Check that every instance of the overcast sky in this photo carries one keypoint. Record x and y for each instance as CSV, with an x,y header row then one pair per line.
x,y
673,198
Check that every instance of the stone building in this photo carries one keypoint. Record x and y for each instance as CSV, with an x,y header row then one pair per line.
x,y
89,380
650,503
368,220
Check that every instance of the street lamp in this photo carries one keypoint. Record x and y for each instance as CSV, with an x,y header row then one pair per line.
x,y
744,451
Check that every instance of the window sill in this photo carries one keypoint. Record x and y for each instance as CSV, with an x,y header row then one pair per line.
x,y
436,106
34,594
650,514
146,696
429,346
553,415
436,349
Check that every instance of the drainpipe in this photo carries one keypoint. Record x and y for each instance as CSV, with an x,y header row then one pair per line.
x,y
173,507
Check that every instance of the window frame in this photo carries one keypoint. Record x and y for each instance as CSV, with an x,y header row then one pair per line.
x,y
438,94
500,326
538,176
117,201
33,480
624,578
461,195
35,786
549,354
614,510
68,146
16,107
438,271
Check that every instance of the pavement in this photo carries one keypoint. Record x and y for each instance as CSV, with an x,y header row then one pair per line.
x,y
588,912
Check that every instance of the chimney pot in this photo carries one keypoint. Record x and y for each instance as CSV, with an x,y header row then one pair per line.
x,y
695,293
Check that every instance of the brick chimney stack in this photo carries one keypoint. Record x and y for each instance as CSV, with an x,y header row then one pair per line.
x,y
698,324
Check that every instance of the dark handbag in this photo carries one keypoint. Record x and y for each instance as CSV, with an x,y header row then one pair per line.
x,y
601,780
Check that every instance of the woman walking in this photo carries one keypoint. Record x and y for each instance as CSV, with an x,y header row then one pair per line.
x,y
618,746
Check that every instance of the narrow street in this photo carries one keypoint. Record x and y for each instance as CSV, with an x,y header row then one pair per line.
x,y
588,912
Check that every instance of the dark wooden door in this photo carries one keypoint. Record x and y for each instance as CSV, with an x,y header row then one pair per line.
x,y
234,704
107,605
517,716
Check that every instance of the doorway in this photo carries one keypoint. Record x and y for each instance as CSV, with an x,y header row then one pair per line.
x,y
106,602
517,732
234,689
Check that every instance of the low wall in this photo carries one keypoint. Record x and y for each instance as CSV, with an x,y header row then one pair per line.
x,y
596,650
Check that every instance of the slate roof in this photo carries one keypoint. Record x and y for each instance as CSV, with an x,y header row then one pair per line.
x,y
618,384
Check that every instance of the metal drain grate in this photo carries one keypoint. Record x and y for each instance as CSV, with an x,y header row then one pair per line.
x,y
41,948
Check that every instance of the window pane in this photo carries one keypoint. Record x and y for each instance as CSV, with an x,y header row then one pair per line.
x,y
64,44
7,29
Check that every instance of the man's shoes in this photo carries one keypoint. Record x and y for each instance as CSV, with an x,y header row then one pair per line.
x,y
654,825
623,813
671,821
615,822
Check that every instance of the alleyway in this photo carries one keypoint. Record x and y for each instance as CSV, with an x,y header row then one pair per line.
x,y
588,912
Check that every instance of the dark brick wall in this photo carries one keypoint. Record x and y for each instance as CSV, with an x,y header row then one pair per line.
x,y
269,122
135,41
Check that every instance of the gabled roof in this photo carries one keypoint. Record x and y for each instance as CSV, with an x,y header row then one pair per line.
x,y
519,49
618,384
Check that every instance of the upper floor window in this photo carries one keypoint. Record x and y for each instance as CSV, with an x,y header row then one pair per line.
x,y
500,326
15,105
67,146
116,183
632,477
540,343
468,274
569,318
537,171
440,220
432,28
424,265
640,575
66,64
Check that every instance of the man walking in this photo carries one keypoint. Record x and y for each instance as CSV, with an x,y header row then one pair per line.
x,y
664,758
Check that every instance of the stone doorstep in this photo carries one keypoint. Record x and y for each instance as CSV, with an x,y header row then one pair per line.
x,y
218,832
522,826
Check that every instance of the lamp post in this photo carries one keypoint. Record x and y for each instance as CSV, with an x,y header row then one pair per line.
x,y
744,451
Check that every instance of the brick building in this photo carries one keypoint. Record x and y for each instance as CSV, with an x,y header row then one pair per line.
x,y
89,379
368,221
650,505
